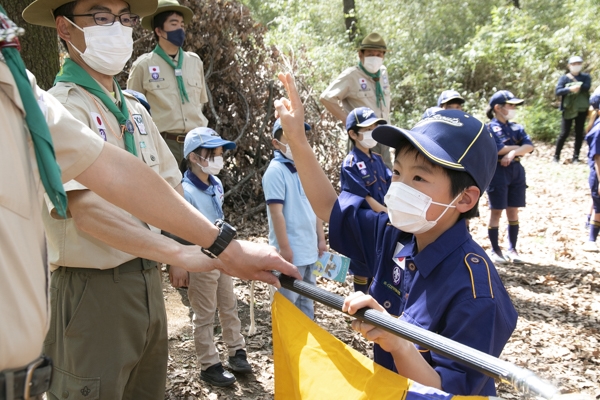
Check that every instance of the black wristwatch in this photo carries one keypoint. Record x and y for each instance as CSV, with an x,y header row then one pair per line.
x,y
226,235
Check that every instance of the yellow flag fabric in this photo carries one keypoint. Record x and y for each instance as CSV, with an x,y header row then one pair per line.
x,y
311,364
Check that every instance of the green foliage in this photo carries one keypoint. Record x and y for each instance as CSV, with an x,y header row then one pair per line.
x,y
474,46
541,121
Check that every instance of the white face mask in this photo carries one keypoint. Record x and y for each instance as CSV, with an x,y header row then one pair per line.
x,y
108,48
575,69
214,166
510,114
288,151
368,142
407,208
372,64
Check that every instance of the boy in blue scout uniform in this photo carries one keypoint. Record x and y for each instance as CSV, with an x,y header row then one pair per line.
x,y
448,100
507,188
294,229
593,141
203,159
428,269
364,174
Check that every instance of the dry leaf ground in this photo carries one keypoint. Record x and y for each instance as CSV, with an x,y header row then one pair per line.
x,y
557,294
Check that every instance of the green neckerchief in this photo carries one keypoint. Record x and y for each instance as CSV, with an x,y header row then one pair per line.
x,y
178,70
72,72
38,128
378,89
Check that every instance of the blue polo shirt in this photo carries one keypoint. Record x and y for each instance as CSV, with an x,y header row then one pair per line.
x,y
451,288
281,184
208,199
593,141
365,176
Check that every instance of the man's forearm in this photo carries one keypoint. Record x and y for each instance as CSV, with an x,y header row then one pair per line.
x,y
165,209
108,223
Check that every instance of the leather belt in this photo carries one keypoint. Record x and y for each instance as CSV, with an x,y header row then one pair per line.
x,y
32,380
179,138
137,264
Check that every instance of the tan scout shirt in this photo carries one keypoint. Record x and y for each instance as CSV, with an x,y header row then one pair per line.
x,y
24,312
162,91
67,245
353,88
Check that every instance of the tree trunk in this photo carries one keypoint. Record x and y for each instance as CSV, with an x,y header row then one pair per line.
x,y
350,19
39,45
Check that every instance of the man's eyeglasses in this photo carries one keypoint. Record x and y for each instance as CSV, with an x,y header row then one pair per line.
x,y
108,19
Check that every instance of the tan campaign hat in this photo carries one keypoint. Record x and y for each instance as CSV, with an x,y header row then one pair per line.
x,y
167,5
41,12
373,41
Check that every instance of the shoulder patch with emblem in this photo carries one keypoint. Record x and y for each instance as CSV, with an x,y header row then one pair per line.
x,y
99,124
139,122
496,128
362,82
362,167
154,72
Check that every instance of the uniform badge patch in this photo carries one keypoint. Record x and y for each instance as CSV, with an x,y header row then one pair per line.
x,y
385,80
363,83
396,274
496,128
362,167
139,122
99,124
399,260
154,72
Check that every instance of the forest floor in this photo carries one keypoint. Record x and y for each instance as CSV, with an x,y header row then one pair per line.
x,y
556,292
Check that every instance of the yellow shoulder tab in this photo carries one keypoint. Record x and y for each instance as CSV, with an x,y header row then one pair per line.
x,y
479,270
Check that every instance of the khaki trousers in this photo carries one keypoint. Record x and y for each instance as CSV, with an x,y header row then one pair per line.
x,y
209,291
108,335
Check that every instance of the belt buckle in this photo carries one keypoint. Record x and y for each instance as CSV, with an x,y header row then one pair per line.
x,y
30,369
180,139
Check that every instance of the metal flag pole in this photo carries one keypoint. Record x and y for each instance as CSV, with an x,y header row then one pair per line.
x,y
523,380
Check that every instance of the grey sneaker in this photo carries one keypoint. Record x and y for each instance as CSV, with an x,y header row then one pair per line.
x,y
239,362
497,258
217,376
514,257
590,247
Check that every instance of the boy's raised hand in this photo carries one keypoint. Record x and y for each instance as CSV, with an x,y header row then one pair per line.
x,y
291,110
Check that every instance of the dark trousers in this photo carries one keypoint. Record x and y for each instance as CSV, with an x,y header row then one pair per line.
x,y
565,129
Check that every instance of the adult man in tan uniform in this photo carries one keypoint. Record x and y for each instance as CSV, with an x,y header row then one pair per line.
x,y
82,155
108,335
364,85
171,79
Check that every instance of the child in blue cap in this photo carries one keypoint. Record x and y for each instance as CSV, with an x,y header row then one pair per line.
x,y
593,140
448,100
364,174
428,269
507,188
294,229
208,291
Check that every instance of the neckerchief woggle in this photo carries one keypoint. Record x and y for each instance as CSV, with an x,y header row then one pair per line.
x,y
178,70
34,118
378,89
72,72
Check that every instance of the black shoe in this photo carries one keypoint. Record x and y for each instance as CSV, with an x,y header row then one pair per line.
x,y
239,363
575,160
217,376
555,159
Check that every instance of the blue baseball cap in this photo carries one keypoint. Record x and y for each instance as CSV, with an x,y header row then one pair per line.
x,y
448,95
451,139
595,100
504,97
430,111
277,126
361,117
204,137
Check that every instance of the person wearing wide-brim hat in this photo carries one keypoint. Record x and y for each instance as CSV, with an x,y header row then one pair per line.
x,y
171,79
363,85
111,342
574,91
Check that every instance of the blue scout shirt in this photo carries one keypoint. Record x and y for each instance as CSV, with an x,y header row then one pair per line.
x,y
281,184
208,199
451,288
363,175
593,141
508,134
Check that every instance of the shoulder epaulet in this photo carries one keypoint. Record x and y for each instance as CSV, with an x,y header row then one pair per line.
x,y
376,154
349,160
141,58
479,271
191,54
